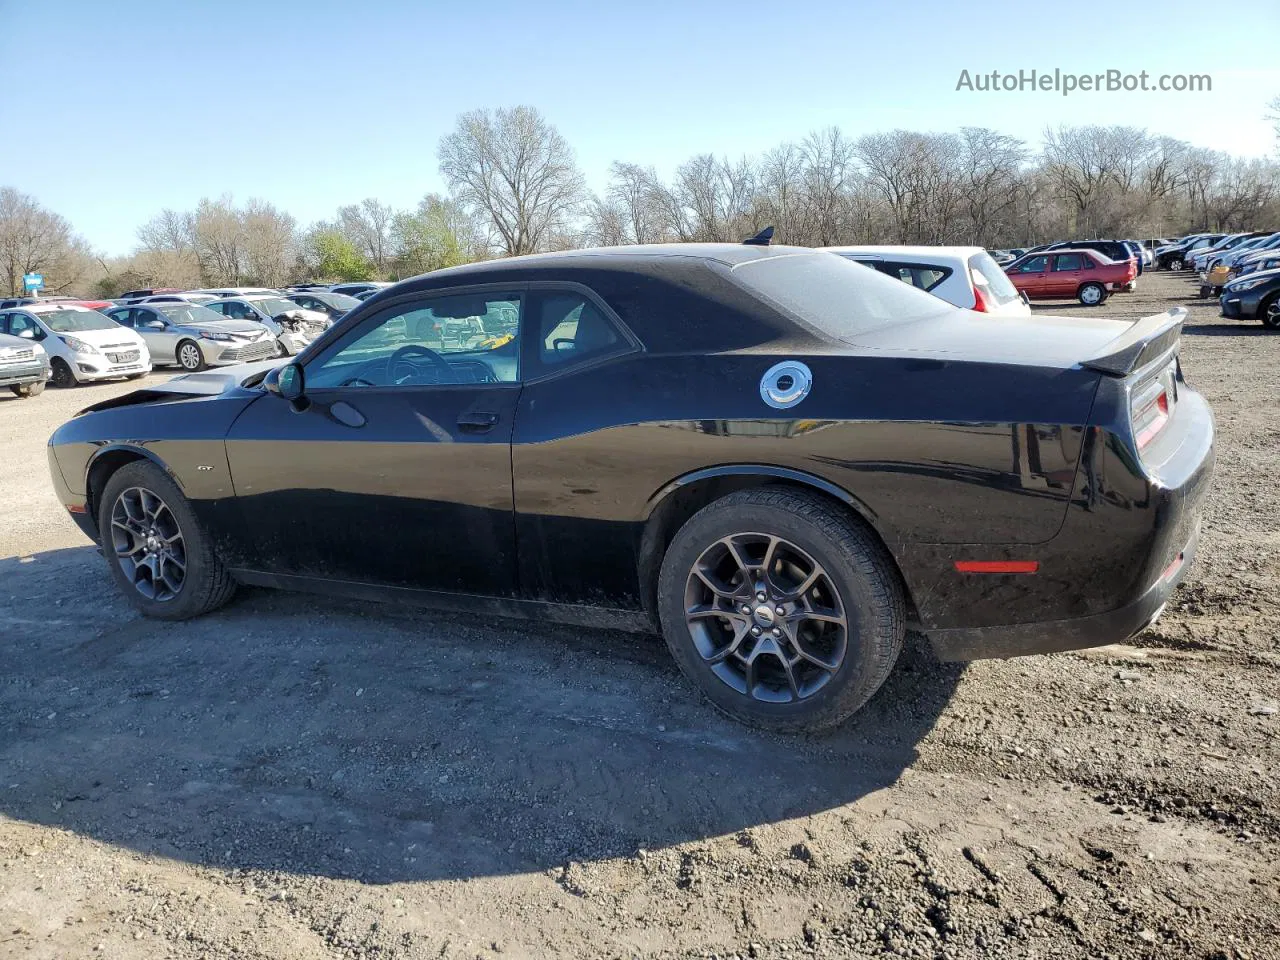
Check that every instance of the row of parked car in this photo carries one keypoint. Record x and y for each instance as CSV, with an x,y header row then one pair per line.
x,y
67,341
1241,269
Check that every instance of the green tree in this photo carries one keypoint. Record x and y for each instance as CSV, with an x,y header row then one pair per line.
x,y
438,234
337,258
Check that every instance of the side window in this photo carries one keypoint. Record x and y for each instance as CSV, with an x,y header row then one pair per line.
x,y
122,317
918,275
570,328
18,322
237,310
4,323
1068,261
1035,265
463,339
218,308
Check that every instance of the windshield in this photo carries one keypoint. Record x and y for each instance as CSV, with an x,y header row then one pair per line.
x,y
76,319
181,313
274,306
836,297
991,280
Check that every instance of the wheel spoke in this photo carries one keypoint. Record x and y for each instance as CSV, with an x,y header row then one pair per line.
x,y
789,667
148,544
719,589
743,563
809,657
732,647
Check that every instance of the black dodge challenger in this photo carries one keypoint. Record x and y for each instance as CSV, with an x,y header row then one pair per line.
x,y
778,457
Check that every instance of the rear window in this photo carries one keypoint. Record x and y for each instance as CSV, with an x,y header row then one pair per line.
x,y
834,296
994,282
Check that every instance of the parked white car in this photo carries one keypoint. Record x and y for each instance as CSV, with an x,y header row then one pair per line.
x,y
966,276
83,345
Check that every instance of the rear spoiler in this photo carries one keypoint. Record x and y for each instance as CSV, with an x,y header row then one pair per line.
x,y
1147,339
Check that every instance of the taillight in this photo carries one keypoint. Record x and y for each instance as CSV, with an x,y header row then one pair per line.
x,y
1150,412
979,301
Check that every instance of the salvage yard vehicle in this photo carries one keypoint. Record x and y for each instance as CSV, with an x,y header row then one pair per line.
x,y
1086,275
332,305
82,345
776,456
965,276
1255,296
24,366
293,326
194,337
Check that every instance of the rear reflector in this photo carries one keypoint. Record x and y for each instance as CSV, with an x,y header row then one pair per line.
x,y
1150,415
76,508
1172,568
997,566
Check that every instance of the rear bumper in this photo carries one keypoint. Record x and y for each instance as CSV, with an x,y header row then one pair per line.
x,y
1077,633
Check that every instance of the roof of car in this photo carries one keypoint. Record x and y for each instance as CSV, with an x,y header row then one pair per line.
x,y
908,251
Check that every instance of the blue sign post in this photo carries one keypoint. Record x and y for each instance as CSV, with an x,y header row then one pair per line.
x,y
32,282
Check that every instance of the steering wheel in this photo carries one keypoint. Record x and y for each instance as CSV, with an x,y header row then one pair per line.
x,y
402,355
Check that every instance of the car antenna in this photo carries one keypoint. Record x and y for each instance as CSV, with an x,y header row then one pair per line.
x,y
761,239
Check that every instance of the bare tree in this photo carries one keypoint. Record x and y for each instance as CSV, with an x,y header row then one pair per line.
x,y
991,172
36,240
268,243
516,169
368,226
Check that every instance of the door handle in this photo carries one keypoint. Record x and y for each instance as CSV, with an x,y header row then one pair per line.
x,y
477,421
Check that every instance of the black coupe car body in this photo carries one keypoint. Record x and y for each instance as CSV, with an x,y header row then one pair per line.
x,y
539,433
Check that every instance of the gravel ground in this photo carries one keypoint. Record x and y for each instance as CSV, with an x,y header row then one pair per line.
x,y
309,778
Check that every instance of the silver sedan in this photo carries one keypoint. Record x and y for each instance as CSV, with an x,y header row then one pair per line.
x,y
193,337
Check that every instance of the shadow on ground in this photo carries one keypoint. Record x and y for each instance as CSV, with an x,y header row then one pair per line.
x,y
352,740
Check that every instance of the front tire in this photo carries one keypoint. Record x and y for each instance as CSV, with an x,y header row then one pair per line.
x,y
1175,263
781,608
1092,294
26,390
190,358
1269,313
158,554
61,376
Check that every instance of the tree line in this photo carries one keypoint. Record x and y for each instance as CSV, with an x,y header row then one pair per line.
x,y
514,187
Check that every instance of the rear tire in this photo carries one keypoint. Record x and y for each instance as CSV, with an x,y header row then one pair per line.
x,y
25,390
1092,294
61,375
736,647
140,508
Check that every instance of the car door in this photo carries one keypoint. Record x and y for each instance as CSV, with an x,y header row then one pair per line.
x,y
154,328
1032,275
564,490
395,469
1066,276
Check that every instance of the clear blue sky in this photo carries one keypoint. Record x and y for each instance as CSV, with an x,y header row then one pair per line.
x,y
311,104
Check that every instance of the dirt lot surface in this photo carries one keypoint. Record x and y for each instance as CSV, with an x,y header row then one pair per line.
x,y
304,778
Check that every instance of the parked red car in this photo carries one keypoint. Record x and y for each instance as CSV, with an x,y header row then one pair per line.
x,y
1059,274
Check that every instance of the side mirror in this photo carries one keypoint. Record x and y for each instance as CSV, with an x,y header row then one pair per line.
x,y
27,333
155,324
290,381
